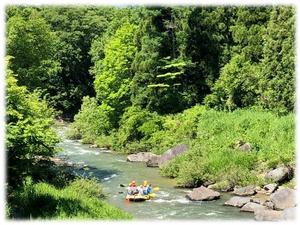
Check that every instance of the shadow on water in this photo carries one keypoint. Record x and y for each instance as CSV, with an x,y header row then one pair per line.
x,y
99,174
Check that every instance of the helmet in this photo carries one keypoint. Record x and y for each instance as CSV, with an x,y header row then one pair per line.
x,y
145,183
132,183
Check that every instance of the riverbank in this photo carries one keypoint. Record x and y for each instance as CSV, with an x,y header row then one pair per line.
x,y
225,148
274,201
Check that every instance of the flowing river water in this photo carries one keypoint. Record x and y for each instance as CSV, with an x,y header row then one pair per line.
x,y
112,169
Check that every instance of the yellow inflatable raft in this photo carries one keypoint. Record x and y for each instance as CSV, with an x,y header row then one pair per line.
x,y
139,198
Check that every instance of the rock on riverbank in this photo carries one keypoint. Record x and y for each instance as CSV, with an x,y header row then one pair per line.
x,y
237,201
156,161
283,198
203,194
278,206
140,157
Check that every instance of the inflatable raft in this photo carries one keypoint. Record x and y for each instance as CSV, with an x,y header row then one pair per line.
x,y
139,198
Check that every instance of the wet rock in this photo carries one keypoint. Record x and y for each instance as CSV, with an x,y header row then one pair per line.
x,y
237,201
245,191
203,194
252,207
289,214
155,161
140,157
283,198
279,175
93,146
270,188
268,215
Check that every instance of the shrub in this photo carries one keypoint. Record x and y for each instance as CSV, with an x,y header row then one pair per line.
x,y
176,129
91,121
136,125
81,199
104,141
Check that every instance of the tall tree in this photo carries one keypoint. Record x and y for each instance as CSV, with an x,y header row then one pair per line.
x,y
76,27
33,47
277,85
28,127
112,83
237,85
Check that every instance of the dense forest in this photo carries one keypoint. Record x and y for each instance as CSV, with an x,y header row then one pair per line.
x,y
146,79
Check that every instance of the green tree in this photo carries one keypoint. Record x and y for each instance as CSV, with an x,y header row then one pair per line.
x,y
76,28
238,84
112,82
28,131
33,47
277,85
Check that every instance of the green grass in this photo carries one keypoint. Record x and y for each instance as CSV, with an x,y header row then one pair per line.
x,y
213,155
81,199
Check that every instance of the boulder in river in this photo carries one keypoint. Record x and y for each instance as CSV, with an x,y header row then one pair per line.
x,y
155,161
270,188
252,207
267,215
203,194
279,174
93,146
237,201
283,198
140,157
245,191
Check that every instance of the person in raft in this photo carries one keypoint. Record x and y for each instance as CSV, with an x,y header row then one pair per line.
x,y
146,188
132,189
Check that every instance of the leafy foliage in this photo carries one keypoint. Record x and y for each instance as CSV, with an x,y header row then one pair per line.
x,y
112,82
278,83
261,72
28,121
92,120
79,200
33,46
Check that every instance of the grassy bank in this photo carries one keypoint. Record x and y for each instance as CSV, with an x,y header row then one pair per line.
x,y
81,199
214,139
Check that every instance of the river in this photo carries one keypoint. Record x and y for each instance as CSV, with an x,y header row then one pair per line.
x,y
112,169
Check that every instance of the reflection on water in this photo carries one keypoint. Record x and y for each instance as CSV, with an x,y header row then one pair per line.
x,y
111,170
